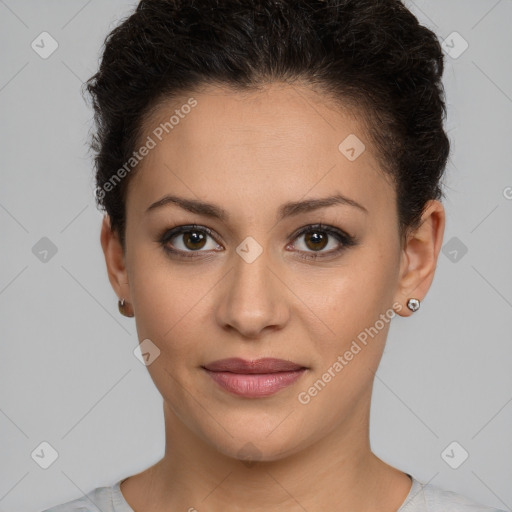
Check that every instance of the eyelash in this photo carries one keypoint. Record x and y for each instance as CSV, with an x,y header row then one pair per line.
x,y
342,237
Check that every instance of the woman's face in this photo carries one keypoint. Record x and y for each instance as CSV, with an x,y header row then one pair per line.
x,y
251,289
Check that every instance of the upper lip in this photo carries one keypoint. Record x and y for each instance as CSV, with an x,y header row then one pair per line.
x,y
264,365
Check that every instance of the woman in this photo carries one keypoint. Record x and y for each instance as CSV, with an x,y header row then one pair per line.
x,y
234,137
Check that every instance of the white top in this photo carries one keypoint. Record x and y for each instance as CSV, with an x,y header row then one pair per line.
x,y
421,498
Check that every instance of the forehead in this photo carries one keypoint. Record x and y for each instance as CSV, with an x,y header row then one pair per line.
x,y
282,142
277,113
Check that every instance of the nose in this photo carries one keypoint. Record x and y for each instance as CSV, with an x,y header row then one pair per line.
x,y
252,298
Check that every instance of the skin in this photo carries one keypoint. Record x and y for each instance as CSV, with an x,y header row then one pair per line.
x,y
249,153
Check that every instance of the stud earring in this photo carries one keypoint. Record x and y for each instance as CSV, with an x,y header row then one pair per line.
x,y
121,304
413,304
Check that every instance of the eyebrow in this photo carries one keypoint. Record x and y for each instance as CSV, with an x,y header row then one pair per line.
x,y
288,209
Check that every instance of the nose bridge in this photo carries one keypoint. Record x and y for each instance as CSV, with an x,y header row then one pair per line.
x,y
253,298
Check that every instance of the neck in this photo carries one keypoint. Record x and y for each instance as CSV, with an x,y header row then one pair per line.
x,y
338,472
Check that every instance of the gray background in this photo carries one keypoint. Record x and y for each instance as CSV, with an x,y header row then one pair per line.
x,y
68,373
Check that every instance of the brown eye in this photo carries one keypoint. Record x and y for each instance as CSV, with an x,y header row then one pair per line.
x,y
194,239
317,237
315,240
187,240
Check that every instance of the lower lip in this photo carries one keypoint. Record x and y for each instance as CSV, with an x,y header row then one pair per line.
x,y
255,385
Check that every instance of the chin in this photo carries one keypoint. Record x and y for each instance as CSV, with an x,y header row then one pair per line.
x,y
250,452
255,444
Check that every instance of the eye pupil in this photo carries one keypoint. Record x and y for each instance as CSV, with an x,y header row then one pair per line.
x,y
316,238
196,237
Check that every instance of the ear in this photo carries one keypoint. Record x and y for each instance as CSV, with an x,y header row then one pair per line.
x,y
115,260
419,256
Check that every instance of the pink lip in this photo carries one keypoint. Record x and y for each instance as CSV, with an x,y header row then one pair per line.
x,y
252,379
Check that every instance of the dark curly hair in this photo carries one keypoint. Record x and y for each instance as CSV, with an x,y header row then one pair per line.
x,y
369,55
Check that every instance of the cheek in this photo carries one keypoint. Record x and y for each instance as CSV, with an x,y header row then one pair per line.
x,y
172,307
354,298
356,293
158,294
